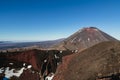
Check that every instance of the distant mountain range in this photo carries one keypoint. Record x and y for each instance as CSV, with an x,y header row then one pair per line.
x,y
42,44
5,41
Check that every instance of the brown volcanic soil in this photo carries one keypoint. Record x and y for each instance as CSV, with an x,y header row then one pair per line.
x,y
100,60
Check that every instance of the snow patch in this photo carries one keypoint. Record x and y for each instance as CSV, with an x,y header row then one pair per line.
x,y
56,56
73,40
88,39
13,72
10,73
76,51
58,63
50,77
96,29
72,51
79,40
29,66
1,70
45,61
11,63
61,51
24,64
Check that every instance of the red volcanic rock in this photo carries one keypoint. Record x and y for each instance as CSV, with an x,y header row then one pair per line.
x,y
29,57
35,58
42,62
62,67
27,75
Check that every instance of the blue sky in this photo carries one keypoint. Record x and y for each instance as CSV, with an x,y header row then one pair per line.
x,y
36,20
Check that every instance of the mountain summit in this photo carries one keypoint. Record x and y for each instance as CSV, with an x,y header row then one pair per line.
x,y
83,39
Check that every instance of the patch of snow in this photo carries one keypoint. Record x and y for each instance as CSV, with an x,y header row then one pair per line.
x,y
96,29
61,51
1,70
11,63
45,60
9,73
50,77
79,40
56,56
58,63
24,64
39,73
13,72
29,66
76,51
88,39
73,40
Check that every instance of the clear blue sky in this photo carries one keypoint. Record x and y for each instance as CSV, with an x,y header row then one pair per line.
x,y
36,20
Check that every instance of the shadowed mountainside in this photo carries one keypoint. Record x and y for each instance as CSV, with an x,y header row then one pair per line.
x,y
100,60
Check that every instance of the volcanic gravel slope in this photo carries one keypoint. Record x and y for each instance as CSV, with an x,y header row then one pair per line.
x,y
101,60
84,38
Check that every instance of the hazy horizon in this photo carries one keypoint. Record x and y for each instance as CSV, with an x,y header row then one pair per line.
x,y
41,20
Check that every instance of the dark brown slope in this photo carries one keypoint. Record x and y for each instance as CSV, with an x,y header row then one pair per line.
x,y
100,60
83,39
